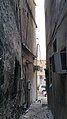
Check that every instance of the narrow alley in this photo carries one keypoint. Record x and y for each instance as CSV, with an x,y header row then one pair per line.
x,y
38,111
33,59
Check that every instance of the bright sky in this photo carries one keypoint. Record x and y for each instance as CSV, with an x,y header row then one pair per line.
x,y
40,31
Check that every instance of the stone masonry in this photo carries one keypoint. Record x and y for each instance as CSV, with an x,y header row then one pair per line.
x,y
17,53
10,63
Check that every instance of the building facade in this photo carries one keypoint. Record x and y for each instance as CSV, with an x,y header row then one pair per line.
x,y
41,73
17,53
28,26
56,56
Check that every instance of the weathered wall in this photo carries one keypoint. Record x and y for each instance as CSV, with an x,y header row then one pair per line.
x,y
29,42
17,42
10,62
28,25
56,29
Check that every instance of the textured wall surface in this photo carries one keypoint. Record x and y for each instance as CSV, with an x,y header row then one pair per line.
x,y
56,29
10,62
17,42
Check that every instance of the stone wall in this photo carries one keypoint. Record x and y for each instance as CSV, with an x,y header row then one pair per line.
x,y
10,63
17,43
29,46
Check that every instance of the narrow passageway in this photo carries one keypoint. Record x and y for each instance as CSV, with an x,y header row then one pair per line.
x,y
23,60
38,110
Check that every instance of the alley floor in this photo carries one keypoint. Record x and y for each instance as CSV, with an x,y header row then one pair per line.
x,y
38,110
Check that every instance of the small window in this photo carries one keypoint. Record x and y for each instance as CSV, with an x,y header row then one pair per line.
x,y
40,77
41,69
28,15
63,60
43,86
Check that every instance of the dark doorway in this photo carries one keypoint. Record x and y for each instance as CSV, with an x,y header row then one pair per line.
x,y
17,75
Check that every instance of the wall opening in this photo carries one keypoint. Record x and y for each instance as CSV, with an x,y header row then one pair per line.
x,y
17,75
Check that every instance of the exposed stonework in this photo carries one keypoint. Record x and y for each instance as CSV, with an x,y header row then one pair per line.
x,y
10,61
16,59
